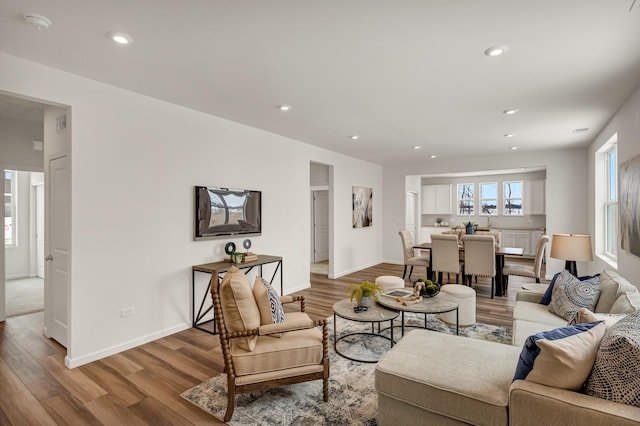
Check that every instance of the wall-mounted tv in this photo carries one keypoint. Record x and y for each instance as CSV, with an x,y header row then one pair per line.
x,y
225,211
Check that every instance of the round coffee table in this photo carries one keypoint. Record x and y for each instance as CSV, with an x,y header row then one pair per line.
x,y
374,314
428,305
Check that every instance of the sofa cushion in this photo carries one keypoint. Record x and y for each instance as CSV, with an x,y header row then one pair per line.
x,y
271,311
571,294
612,285
453,376
522,329
239,306
560,358
585,315
616,372
626,303
536,312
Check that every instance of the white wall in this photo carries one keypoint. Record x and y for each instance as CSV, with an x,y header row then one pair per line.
x,y
135,162
18,258
626,123
566,193
16,146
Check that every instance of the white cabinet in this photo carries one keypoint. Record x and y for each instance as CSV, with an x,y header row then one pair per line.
x,y
426,231
520,239
436,199
534,197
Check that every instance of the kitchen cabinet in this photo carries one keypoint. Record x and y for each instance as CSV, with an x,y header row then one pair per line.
x,y
534,197
426,231
520,239
436,199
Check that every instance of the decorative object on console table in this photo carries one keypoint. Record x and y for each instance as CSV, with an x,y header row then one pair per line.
x,y
250,257
571,248
362,206
230,249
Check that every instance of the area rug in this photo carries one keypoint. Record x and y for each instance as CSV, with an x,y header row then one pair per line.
x,y
352,398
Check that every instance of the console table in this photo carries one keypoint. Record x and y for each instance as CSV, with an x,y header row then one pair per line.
x,y
206,305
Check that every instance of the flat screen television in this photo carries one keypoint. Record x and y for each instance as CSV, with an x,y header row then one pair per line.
x,y
226,211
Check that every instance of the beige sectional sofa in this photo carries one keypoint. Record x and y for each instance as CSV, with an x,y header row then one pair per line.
x,y
440,379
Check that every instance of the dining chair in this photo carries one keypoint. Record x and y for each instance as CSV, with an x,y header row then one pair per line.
x,y
445,255
410,258
480,258
527,270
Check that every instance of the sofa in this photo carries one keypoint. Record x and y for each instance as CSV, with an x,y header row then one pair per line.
x,y
440,379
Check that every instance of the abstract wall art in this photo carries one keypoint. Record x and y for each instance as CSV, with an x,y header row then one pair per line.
x,y
362,206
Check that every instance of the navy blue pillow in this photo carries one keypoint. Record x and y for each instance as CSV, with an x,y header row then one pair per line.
x,y
530,350
546,298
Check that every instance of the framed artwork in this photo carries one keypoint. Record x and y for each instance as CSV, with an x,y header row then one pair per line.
x,y
362,206
630,205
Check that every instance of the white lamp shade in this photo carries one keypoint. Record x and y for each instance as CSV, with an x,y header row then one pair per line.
x,y
571,247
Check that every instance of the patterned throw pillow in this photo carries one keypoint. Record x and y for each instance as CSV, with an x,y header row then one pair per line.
x,y
271,310
570,294
561,358
616,372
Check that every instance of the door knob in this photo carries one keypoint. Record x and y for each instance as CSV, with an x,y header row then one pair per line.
x,y
50,258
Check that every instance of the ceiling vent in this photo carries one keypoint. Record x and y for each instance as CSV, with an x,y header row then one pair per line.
x,y
583,130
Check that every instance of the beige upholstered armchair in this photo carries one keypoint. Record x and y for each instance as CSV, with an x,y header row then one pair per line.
x,y
480,258
445,255
531,270
262,346
410,258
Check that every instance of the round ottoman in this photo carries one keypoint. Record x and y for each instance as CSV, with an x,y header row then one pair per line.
x,y
465,297
390,282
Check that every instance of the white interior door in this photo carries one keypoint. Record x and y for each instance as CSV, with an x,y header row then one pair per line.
x,y
321,225
40,231
57,283
410,214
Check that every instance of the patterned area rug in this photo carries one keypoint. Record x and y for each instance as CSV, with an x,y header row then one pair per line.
x,y
352,398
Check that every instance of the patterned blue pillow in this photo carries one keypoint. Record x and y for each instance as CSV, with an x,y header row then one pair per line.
x,y
546,298
616,372
277,311
570,294
569,355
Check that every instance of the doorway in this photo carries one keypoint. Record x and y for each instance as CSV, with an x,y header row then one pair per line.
x,y
320,236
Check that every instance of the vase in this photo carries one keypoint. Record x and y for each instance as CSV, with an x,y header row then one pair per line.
x,y
470,229
365,301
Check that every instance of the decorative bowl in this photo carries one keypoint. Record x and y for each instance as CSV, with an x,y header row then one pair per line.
x,y
423,290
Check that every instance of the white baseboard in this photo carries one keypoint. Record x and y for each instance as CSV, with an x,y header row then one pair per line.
x,y
77,362
352,270
298,288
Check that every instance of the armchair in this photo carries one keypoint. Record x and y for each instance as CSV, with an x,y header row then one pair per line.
x,y
268,355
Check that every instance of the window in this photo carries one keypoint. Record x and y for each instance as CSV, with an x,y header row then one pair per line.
x,y
611,202
513,198
10,222
466,199
489,198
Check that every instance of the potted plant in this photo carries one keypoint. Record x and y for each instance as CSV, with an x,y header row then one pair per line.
x,y
470,227
365,291
238,257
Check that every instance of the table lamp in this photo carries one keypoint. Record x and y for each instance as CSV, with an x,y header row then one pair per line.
x,y
571,248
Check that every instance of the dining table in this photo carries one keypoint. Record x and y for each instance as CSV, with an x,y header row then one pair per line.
x,y
501,252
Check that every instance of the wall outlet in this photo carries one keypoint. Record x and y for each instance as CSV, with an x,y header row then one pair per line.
x,y
127,312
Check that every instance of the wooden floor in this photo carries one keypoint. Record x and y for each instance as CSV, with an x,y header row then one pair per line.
x,y
141,386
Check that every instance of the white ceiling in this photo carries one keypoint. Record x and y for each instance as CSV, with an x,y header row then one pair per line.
x,y
398,73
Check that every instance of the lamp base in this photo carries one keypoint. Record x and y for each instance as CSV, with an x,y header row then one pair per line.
x,y
570,265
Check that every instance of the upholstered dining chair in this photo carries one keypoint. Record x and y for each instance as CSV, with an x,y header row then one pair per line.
x,y
480,258
263,347
410,258
445,255
527,270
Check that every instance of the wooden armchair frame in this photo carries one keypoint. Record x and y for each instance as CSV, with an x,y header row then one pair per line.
x,y
225,342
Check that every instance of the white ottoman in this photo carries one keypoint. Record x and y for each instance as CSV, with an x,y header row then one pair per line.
x,y
390,282
465,297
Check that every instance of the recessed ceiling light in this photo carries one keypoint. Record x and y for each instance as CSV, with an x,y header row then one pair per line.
x,y
496,50
37,21
583,130
432,156
120,38
510,111
509,135
285,107
513,148
355,137
416,147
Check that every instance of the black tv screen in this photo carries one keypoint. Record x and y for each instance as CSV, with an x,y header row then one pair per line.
x,y
225,211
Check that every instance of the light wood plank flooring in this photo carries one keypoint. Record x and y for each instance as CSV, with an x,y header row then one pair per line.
x,y
141,386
